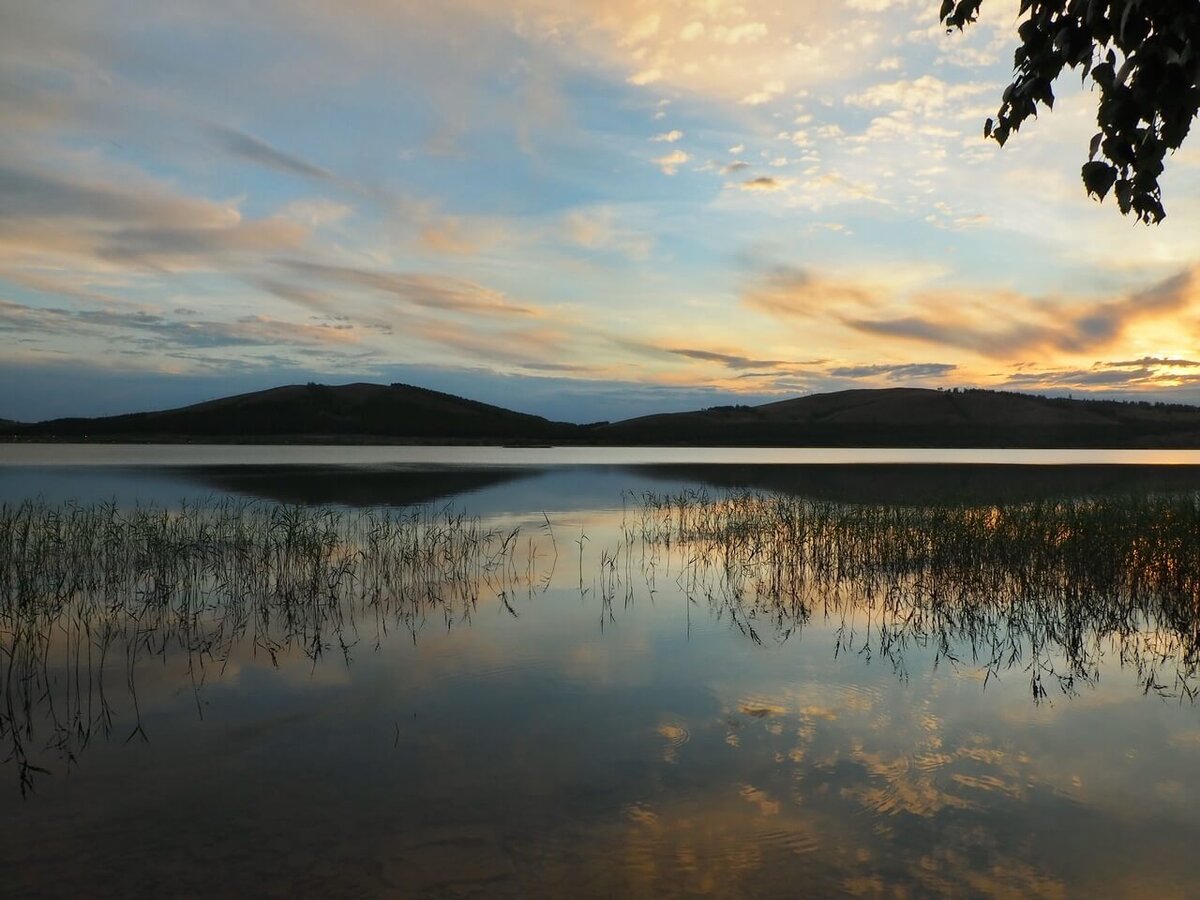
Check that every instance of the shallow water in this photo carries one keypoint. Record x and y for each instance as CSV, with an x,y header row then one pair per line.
x,y
599,714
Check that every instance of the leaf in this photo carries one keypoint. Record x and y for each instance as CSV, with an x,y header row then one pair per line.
x,y
1104,74
1098,178
1125,194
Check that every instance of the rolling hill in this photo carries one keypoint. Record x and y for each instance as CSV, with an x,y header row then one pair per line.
x,y
897,417
919,417
305,412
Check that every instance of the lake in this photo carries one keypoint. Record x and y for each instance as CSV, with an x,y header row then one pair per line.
x,y
595,672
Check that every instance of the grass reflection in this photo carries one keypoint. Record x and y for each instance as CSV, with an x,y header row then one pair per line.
x,y
87,592
1048,587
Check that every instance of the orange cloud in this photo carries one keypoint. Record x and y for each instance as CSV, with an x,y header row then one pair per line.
x,y
992,324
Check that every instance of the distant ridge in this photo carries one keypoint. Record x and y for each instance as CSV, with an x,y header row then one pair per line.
x,y
891,417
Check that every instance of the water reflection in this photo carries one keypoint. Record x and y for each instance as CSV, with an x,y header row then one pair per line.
x,y
1047,586
521,486
82,585
679,697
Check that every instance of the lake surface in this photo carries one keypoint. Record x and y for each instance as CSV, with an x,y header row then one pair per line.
x,y
98,454
444,672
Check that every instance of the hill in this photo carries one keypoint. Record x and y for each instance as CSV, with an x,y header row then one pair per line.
x,y
919,417
894,417
351,411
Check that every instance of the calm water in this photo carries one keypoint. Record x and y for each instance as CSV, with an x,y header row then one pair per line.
x,y
970,680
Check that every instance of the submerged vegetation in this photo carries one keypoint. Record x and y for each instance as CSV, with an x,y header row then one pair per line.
x,y
88,594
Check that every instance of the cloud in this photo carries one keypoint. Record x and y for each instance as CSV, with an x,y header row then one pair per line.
x,y
437,292
35,194
894,372
728,360
1145,380
742,33
598,229
992,324
1013,325
672,161
926,95
59,220
1160,361
183,247
447,234
765,94
793,292
642,30
144,329
714,49
765,183
668,137
646,76
1148,374
261,153
511,346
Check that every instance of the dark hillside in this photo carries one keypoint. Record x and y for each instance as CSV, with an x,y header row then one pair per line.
x,y
393,411
916,417
897,417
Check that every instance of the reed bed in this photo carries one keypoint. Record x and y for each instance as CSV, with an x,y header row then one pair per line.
x,y
87,593
81,584
1050,586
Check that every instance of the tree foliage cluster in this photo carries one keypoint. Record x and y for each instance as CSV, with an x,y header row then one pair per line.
x,y
1142,55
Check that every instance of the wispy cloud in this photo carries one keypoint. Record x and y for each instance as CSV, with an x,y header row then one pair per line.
x,y
161,331
729,360
996,325
1030,324
51,220
261,153
894,372
438,292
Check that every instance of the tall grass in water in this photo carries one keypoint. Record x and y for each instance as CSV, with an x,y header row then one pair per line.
x,y
1047,586
79,585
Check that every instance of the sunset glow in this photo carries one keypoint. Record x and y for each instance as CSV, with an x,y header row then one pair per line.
x,y
580,209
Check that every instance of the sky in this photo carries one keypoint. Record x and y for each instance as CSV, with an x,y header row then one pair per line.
x,y
587,209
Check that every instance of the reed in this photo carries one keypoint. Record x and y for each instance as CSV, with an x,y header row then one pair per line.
x,y
1050,586
80,582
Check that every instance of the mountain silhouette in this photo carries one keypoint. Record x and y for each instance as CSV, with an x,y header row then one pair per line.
x,y
891,417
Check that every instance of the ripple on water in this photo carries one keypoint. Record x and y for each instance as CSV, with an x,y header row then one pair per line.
x,y
675,733
930,760
797,841
859,698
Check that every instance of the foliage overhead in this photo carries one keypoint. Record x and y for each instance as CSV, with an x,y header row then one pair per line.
x,y
1144,55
